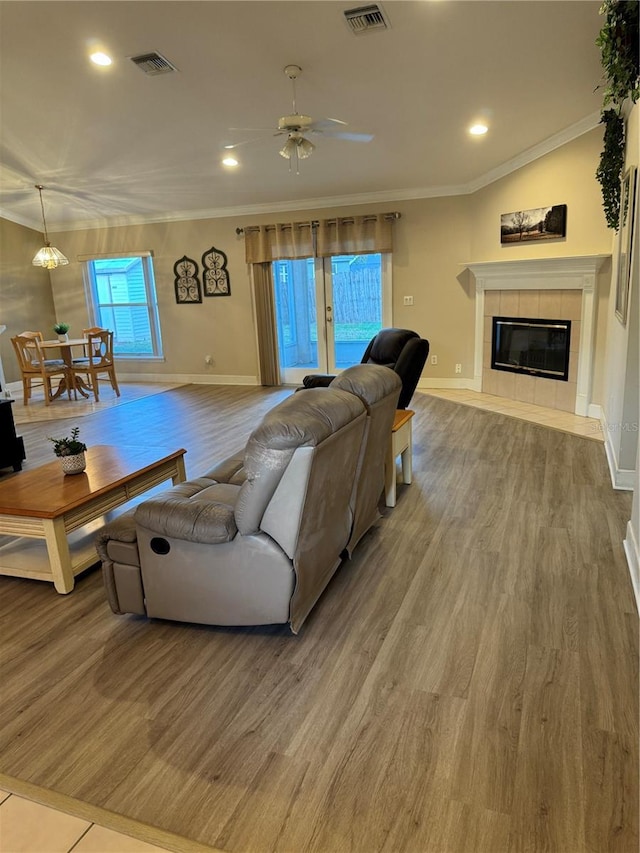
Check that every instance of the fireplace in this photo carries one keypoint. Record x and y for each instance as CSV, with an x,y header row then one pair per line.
x,y
542,288
535,347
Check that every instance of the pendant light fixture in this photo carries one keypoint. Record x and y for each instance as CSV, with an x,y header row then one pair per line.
x,y
48,257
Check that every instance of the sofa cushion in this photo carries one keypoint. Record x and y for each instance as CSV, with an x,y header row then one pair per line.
x,y
205,516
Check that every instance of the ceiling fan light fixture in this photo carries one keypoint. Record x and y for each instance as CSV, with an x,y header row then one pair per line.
x,y
48,256
297,146
288,149
305,148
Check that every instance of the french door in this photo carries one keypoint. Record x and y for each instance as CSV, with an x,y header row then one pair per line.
x,y
327,311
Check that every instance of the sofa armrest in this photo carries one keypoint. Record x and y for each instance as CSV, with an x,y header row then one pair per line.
x,y
121,579
121,529
317,380
198,519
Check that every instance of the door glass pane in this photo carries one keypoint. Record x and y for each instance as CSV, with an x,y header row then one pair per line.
x,y
357,305
295,297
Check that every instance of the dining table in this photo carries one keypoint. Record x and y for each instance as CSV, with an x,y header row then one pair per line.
x,y
69,382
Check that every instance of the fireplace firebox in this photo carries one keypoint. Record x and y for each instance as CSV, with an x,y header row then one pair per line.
x,y
533,347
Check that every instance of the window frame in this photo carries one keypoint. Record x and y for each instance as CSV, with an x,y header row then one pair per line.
x,y
95,306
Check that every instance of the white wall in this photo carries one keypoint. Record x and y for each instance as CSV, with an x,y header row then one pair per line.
x,y
620,403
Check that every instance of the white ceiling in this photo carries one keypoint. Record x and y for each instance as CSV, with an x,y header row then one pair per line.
x,y
115,145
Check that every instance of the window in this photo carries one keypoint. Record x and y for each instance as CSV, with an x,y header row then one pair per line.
x,y
122,297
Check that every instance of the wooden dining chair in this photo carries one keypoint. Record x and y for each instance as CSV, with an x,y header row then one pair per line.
x,y
35,335
38,336
34,367
83,359
99,361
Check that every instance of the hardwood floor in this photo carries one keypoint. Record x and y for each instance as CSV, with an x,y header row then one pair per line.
x,y
467,682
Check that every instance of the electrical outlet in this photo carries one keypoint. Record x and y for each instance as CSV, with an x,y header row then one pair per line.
x,y
208,359
434,359
458,368
408,300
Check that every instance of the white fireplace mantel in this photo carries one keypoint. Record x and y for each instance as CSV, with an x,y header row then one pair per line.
x,y
575,273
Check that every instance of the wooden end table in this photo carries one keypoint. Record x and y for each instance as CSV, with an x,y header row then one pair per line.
x,y
401,444
66,511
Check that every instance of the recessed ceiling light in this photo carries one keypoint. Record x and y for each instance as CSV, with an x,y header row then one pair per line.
x,y
478,129
100,58
230,161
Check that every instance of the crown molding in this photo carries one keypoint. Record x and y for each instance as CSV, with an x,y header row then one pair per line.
x,y
536,152
20,220
386,196
269,207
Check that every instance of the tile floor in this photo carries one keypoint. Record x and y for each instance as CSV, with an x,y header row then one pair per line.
x,y
29,827
36,820
564,421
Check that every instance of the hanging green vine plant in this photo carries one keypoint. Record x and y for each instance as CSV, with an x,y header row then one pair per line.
x,y
611,164
619,43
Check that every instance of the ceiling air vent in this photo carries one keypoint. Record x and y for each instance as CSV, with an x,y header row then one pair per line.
x,y
366,18
153,63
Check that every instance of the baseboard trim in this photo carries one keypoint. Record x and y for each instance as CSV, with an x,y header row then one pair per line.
x,y
189,378
594,410
633,559
12,388
622,479
464,384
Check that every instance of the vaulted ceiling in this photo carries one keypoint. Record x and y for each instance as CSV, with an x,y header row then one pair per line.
x,y
116,145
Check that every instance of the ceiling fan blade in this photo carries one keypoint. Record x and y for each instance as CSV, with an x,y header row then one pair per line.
x,y
348,136
328,122
233,146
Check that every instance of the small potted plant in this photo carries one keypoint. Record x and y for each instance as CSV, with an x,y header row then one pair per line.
x,y
71,451
61,330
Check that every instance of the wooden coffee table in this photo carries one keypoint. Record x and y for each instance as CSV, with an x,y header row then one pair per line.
x,y
66,511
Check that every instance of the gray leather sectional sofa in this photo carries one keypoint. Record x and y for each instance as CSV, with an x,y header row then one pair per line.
x,y
257,538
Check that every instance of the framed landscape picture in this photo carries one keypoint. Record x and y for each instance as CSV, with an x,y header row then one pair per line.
x,y
625,237
538,223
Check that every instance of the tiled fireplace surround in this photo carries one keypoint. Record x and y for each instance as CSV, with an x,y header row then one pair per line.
x,y
549,289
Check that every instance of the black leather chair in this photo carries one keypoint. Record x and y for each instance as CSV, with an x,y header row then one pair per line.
x,y
402,350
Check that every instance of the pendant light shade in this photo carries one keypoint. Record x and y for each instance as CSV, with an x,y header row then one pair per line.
x,y
48,256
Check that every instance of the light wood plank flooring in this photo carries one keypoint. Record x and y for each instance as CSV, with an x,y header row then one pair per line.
x,y
467,682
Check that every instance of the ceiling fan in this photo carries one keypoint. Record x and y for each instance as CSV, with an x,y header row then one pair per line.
x,y
297,126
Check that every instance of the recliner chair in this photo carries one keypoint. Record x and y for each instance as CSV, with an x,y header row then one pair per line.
x,y
404,351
